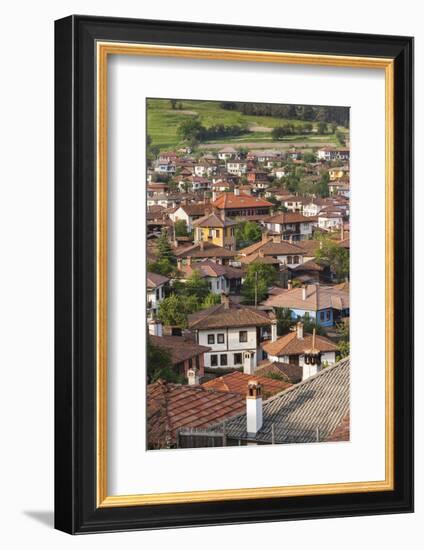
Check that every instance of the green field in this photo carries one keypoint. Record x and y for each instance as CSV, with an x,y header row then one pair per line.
x,y
163,121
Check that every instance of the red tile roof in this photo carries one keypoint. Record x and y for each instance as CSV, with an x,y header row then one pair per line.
x,y
243,200
236,382
173,406
220,316
180,348
290,344
154,280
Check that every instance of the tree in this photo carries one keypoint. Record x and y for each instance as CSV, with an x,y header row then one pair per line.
x,y
284,320
196,286
322,127
165,251
161,267
322,187
309,157
173,103
259,278
344,342
211,300
180,228
247,233
173,311
191,129
331,255
159,364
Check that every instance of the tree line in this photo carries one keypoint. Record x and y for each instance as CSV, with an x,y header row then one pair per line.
x,y
339,115
192,130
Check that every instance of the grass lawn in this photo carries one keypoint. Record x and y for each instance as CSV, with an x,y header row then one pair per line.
x,y
163,121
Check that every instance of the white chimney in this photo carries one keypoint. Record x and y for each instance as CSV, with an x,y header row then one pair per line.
x,y
289,285
304,292
254,407
155,328
299,331
236,191
193,376
273,331
249,362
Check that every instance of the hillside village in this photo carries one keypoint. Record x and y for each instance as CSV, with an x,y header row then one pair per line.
x,y
248,286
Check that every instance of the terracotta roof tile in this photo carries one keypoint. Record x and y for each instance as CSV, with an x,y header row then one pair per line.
x,y
174,406
243,200
180,348
290,344
236,382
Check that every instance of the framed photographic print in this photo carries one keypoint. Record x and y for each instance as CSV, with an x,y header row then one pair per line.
x,y
233,274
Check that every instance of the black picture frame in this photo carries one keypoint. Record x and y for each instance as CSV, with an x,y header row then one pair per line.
x,y
75,275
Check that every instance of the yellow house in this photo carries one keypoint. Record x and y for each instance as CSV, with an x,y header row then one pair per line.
x,y
216,229
338,173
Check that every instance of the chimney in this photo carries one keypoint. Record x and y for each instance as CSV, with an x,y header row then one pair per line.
x,y
303,292
299,330
188,262
193,376
179,264
265,236
249,363
225,300
276,238
155,328
274,331
253,407
289,285
236,191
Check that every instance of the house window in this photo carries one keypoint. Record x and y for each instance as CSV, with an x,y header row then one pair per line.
x,y
217,233
296,260
211,338
220,339
328,315
289,259
322,315
157,294
238,358
197,362
243,336
190,363
223,360
214,360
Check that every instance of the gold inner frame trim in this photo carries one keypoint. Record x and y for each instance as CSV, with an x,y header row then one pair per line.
x,y
104,49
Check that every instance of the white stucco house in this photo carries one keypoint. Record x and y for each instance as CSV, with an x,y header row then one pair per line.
x,y
309,351
234,333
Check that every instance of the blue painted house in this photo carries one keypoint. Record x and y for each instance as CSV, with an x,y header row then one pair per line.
x,y
327,304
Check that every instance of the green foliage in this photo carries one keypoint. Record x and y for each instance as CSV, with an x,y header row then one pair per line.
x,y
331,255
259,278
211,300
341,138
284,320
165,251
344,342
180,227
321,188
247,233
310,324
159,365
309,157
173,311
193,130
322,127
162,267
195,286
